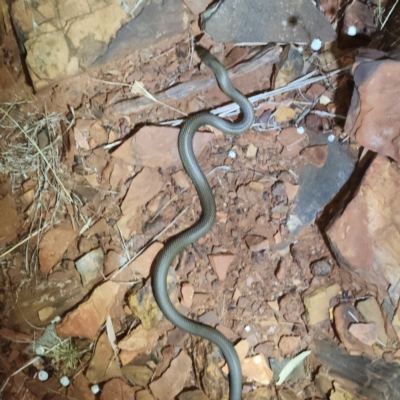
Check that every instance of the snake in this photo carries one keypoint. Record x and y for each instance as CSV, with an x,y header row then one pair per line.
x,y
206,220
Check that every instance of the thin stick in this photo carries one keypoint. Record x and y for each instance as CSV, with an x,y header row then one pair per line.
x,y
144,248
390,13
22,242
233,109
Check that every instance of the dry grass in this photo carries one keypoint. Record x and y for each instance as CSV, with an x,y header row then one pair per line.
x,y
30,149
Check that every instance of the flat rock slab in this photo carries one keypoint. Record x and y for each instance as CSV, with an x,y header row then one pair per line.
x,y
374,118
366,236
318,186
265,21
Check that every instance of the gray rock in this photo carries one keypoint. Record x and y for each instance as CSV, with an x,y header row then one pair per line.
x,y
158,20
318,186
320,268
90,267
264,21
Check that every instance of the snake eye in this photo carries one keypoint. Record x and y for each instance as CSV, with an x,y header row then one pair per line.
x,y
293,20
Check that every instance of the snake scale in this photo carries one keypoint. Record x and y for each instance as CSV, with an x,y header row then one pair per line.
x,y
206,220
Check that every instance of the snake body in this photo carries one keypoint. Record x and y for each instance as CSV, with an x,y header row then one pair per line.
x,y
206,220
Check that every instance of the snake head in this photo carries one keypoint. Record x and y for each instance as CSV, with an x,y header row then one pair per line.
x,y
202,52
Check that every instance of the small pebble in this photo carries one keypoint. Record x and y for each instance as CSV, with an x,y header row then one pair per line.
x,y
352,31
321,268
95,389
40,350
64,381
331,138
316,45
300,49
232,154
300,130
247,328
43,376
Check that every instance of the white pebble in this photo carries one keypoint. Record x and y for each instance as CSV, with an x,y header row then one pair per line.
x,y
300,49
300,130
56,319
331,138
247,328
43,376
232,154
40,350
316,44
352,31
64,381
95,389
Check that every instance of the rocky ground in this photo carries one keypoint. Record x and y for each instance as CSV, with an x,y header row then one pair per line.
x,y
301,269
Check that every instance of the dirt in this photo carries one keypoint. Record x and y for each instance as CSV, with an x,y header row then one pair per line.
x,y
78,182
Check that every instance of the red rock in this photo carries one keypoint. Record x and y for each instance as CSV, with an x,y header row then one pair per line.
x,y
374,118
315,91
256,243
289,345
103,366
366,333
256,369
9,334
193,395
54,244
176,337
120,173
220,264
251,151
157,147
291,190
173,380
289,137
365,234
141,265
257,186
197,6
118,389
317,155
144,395
187,291
87,319
138,341
280,271
181,179
268,350
242,348
113,261
80,388
101,226
142,189
99,134
229,333
209,318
